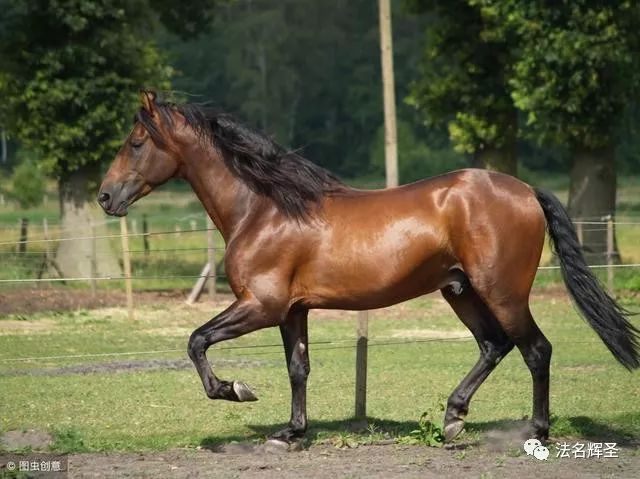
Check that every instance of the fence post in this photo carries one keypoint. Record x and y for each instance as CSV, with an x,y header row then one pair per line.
x,y
45,233
94,261
579,231
609,219
361,364
126,260
145,234
211,256
24,224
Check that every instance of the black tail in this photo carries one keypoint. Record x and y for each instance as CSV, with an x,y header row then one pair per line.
x,y
601,311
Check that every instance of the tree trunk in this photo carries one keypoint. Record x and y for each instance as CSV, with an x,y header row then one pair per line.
x,y
592,196
497,159
505,158
79,210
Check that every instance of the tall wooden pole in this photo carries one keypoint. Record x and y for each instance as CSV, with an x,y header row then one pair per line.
x,y
391,170
388,90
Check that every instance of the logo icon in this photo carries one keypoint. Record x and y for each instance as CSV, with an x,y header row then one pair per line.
x,y
534,448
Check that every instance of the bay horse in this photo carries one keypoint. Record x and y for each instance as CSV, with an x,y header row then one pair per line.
x,y
299,239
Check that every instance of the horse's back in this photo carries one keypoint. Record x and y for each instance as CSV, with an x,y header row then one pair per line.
x,y
402,242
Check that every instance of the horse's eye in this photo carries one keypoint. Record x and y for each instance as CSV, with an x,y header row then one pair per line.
x,y
136,143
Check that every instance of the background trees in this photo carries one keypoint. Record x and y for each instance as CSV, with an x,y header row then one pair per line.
x,y
501,84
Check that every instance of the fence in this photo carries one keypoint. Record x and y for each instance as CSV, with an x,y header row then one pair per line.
x,y
199,250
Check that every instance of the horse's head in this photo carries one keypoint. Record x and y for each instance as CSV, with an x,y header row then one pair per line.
x,y
148,158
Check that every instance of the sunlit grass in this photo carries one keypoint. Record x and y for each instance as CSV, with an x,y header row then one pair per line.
x,y
157,409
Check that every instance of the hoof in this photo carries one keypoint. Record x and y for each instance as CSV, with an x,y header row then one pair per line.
x,y
453,429
243,392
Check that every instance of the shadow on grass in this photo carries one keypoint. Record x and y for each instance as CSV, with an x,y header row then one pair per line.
x,y
622,429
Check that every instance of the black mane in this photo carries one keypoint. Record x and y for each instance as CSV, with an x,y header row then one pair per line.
x,y
294,183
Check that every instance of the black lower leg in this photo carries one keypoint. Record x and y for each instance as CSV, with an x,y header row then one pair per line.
x,y
294,337
493,343
536,351
233,322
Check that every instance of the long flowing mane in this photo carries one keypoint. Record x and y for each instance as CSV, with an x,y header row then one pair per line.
x,y
295,184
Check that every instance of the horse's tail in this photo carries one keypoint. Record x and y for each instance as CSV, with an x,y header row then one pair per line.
x,y
601,311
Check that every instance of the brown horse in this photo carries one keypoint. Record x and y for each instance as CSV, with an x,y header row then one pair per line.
x,y
298,239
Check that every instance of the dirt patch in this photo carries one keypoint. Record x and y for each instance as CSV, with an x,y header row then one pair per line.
x,y
56,299
132,366
33,439
325,461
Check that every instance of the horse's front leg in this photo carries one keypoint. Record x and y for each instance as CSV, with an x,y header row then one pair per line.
x,y
242,317
296,349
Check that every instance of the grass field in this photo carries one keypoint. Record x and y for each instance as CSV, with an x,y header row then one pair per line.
x,y
103,406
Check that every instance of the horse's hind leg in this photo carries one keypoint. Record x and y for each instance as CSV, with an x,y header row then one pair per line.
x,y
494,345
536,351
296,349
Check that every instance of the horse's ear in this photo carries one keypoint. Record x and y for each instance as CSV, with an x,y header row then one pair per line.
x,y
148,100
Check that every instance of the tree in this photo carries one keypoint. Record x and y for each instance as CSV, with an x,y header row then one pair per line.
x,y
575,72
306,71
27,185
463,83
71,71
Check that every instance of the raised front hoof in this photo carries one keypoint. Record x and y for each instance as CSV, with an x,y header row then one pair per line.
x,y
453,429
235,391
243,392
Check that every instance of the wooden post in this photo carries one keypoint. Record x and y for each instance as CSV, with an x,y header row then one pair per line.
x,y
361,364
145,234
24,225
126,260
211,256
45,234
609,219
391,171
579,231
193,224
94,261
388,89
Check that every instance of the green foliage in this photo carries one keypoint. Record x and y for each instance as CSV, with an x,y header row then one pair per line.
x,y
428,433
27,185
70,74
462,80
575,66
307,72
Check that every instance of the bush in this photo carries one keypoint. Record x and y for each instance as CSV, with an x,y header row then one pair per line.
x,y
27,185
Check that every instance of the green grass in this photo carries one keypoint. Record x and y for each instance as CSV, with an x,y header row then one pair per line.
x,y
591,395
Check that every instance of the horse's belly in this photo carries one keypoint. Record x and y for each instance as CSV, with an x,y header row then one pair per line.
x,y
365,284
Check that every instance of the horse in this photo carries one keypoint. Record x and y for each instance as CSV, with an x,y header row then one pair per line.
x,y
298,239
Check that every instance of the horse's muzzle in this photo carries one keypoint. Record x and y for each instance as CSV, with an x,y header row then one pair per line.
x,y
115,199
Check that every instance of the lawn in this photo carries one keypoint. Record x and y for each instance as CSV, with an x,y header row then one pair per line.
x,y
419,352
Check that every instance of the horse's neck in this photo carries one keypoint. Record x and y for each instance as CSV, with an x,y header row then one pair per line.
x,y
225,197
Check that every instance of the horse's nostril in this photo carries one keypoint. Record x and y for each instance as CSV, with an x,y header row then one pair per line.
x,y
104,197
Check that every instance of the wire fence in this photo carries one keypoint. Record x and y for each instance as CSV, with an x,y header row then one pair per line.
x,y
161,254
191,254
